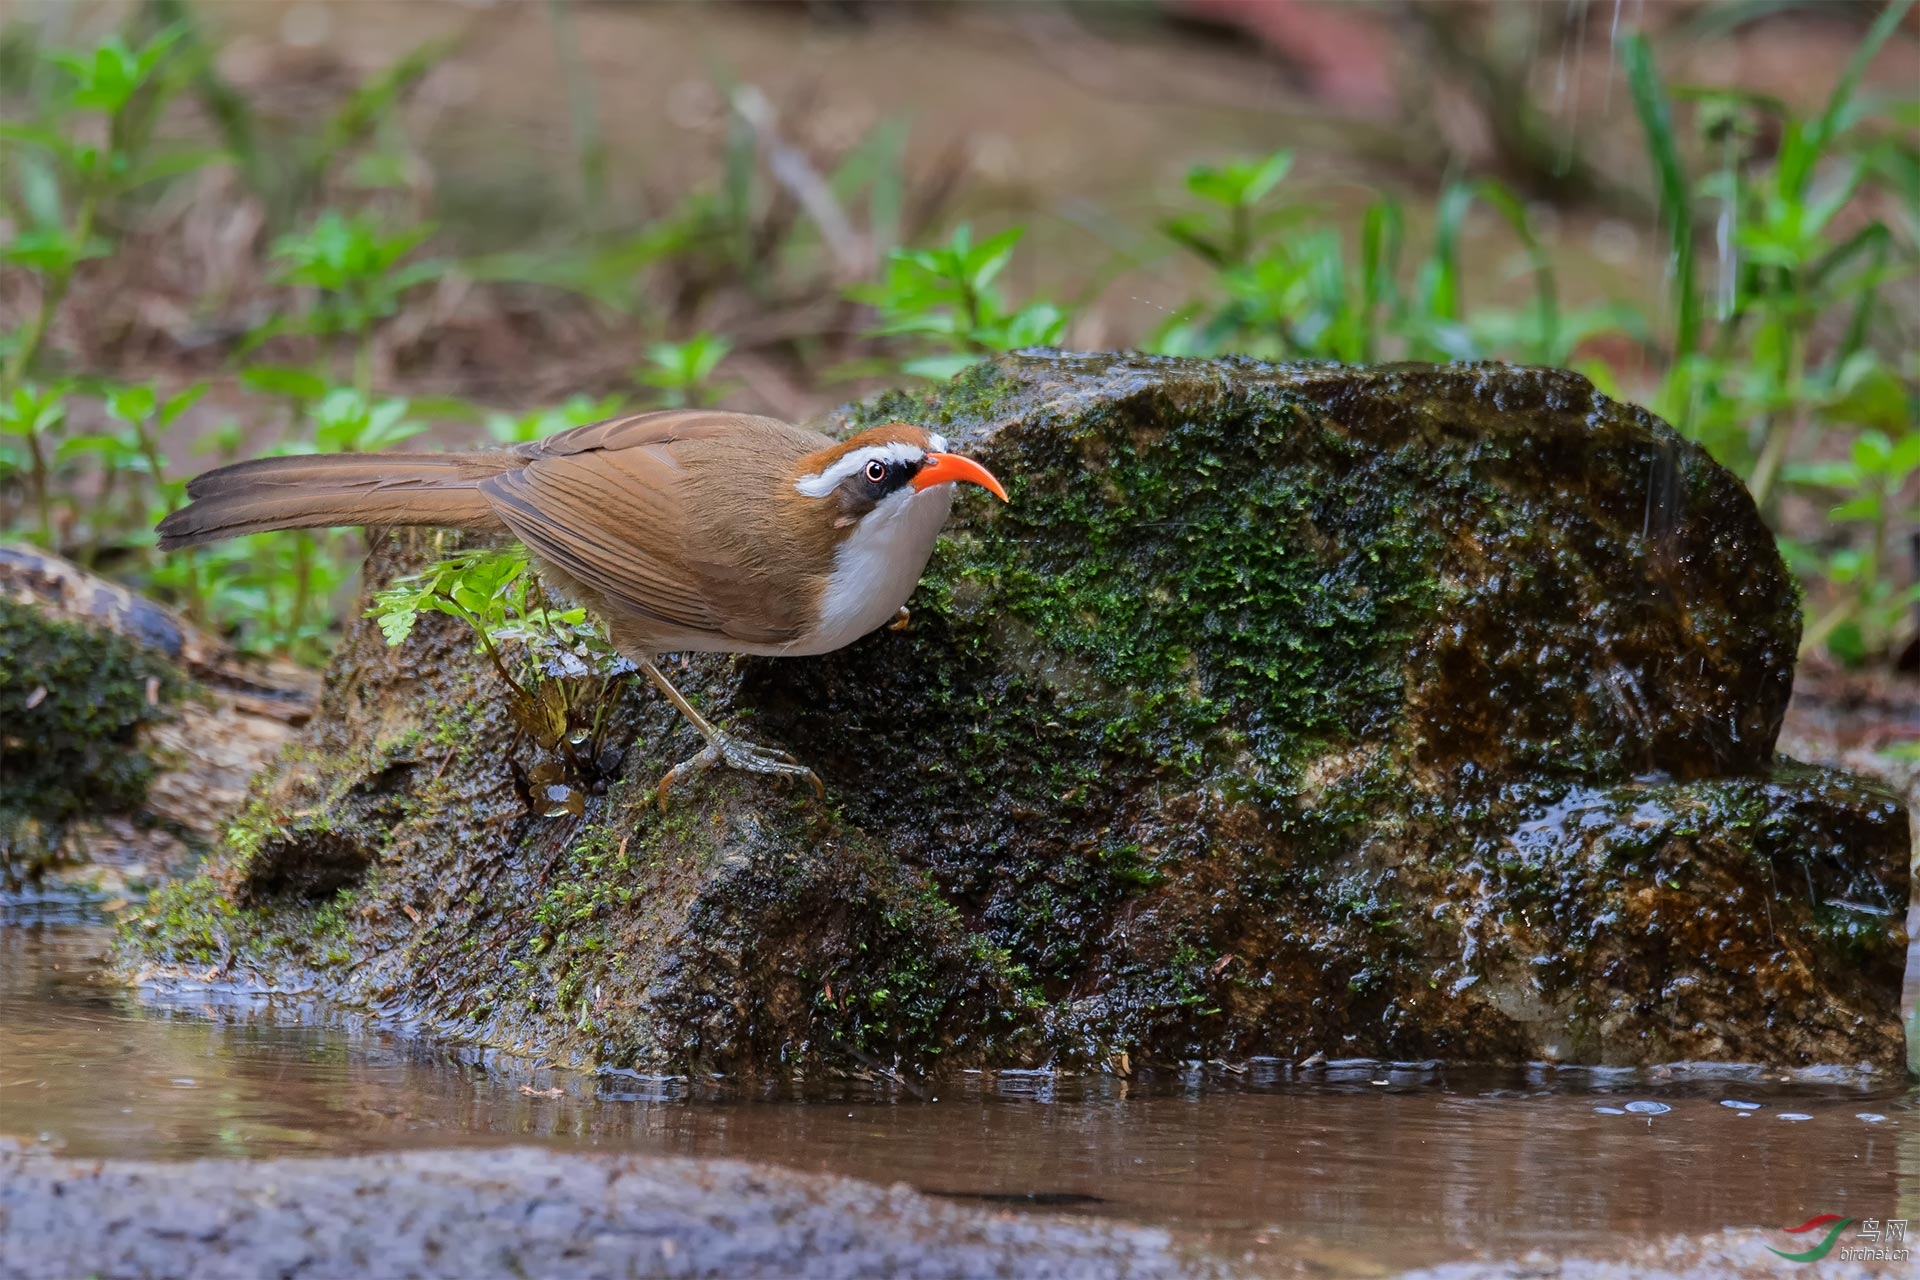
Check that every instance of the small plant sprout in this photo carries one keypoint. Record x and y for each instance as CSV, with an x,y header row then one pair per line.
x,y
360,273
560,675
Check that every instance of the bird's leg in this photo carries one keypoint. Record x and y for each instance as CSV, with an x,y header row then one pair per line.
x,y
722,747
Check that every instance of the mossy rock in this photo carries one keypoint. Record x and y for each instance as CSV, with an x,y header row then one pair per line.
x,y
75,695
1414,712
122,731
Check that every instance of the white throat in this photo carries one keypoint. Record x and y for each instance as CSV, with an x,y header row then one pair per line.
x,y
878,565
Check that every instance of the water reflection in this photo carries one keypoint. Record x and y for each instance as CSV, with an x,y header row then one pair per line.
x,y
1354,1165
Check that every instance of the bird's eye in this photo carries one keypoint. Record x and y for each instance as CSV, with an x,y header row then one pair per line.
x,y
876,471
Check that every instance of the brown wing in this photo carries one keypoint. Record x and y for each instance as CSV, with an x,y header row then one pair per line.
x,y
662,427
606,504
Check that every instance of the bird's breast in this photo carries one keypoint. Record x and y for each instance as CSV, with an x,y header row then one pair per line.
x,y
876,568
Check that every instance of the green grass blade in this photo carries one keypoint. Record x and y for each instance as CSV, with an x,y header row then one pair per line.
x,y
1443,273
1650,103
1381,232
1829,122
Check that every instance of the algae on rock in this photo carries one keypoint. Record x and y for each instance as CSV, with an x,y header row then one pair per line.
x,y
1412,712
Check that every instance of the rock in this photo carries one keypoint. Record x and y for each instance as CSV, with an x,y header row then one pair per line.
x,y
526,1212
1410,712
127,737
1738,1254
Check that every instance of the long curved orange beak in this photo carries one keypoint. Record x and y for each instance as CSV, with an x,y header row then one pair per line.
x,y
945,468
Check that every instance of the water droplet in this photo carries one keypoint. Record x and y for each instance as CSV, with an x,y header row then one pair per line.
x,y
1871,1117
1795,1115
1738,1105
1648,1108
1608,1111
562,800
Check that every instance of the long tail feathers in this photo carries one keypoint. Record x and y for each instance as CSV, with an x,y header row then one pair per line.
x,y
325,490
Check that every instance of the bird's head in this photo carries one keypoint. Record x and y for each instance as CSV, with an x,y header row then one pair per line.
x,y
875,504
886,470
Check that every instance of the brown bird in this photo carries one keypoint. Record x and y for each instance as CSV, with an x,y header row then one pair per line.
x,y
685,530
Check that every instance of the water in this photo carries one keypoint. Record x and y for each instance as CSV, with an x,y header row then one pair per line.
x,y
1353,1168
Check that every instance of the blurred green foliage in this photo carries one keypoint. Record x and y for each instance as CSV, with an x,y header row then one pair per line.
x,y
1778,345
946,298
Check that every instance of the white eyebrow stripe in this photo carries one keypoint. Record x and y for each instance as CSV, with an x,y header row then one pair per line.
x,y
825,482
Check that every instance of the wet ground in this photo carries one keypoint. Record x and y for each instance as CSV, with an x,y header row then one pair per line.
x,y
1349,1169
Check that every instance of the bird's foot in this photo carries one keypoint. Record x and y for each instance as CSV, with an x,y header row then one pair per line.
x,y
738,753
901,620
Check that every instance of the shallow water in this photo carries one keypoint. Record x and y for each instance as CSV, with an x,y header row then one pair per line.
x,y
1356,1167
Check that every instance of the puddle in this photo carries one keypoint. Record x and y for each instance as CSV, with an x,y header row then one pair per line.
x,y
1354,1167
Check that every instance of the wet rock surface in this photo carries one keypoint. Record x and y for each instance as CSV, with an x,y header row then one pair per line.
x,y
1407,713
127,736
1723,1255
525,1212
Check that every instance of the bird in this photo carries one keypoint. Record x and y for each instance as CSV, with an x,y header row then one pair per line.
x,y
682,530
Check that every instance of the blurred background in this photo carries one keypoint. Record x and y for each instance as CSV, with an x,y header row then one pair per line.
x,y
276,225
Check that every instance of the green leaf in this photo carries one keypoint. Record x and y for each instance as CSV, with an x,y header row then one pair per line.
x,y
111,449
1869,395
283,380
1826,475
51,250
986,262
938,368
38,135
1866,507
34,410
133,404
39,189
172,164
1676,204
1829,124
1194,234
179,403
1905,458
1872,451
397,613
1240,184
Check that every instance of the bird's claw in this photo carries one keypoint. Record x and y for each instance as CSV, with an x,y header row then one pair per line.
x,y
738,753
901,619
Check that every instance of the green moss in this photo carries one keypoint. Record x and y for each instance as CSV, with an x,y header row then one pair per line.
x,y
975,395
189,922
72,702
1253,569
194,924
